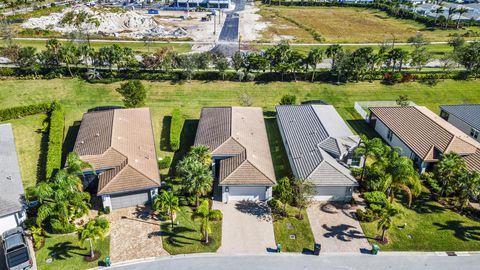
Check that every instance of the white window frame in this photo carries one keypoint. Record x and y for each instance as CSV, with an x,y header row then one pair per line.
x,y
474,133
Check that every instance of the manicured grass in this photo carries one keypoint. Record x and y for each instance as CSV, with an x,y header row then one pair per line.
x,y
281,164
284,227
346,24
31,144
69,253
79,96
186,237
138,47
431,227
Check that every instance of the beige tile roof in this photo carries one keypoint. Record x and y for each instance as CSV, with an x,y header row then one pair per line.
x,y
423,131
121,140
238,132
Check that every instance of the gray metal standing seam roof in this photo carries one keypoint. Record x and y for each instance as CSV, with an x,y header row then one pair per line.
x,y
11,187
315,135
468,113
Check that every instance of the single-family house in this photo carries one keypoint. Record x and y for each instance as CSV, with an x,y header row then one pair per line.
x,y
12,202
120,146
242,162
465,117
319,146
423,136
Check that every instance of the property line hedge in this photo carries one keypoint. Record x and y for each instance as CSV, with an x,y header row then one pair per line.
x,y
55,139
176,129
22,111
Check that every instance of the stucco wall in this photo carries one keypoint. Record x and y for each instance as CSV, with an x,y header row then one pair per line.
x,y
395,142
452,119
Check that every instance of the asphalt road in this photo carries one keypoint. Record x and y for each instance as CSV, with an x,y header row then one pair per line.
x,y
294,262
228,38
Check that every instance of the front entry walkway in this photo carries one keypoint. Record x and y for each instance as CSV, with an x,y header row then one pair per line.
x,y
246,228
336,228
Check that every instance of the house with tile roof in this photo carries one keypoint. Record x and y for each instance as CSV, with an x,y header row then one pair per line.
x,y
319,146
465,117
423,136
242,162
120,146
12,199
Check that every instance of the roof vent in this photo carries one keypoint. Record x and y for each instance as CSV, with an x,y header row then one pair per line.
x,y
9,177
82,142
97,134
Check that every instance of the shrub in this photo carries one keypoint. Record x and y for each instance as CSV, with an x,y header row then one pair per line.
x,y
176,129
216,215
58,227
288,100
376,197
164,163
366,216
22,111
55,139
431,182
250,77
240,75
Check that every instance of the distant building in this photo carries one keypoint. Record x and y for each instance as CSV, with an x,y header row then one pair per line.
x,y
12,207
221,4
465,117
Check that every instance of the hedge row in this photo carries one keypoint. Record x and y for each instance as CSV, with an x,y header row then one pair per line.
x,y
55,139
176,126
22,111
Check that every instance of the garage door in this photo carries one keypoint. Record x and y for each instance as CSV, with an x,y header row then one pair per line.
x,y
246,193
129,199
7,223
331,193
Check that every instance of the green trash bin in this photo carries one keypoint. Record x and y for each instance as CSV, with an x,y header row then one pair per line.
x,y
279,248
375,249
107,261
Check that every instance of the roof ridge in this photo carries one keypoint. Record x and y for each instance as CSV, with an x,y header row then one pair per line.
x,y
320,122
271,180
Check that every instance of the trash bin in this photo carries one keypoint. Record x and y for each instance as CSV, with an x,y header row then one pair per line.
x,y
107,261
316,249
279,248
375,249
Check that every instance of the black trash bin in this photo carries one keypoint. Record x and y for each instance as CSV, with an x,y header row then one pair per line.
x,y
316,249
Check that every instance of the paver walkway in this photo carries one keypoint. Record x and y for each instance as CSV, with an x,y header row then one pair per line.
x,y
247,227
336,229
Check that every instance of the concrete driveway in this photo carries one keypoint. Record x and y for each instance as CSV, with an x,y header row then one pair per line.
x,y
336,229
134,234
246,228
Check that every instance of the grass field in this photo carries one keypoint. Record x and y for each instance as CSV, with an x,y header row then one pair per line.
x,y
138,47
341,24
429,227
284,227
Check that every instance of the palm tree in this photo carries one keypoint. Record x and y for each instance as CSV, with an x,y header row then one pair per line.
x,y
368,148
205,214
332,51
448,169
386,220
202,153
167,201
438,10
95,228
469,187
313,59
69,55
197,178
460,12
451,11
75,165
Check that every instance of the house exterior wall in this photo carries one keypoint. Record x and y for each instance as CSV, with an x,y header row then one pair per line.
x,y
106,201
466,128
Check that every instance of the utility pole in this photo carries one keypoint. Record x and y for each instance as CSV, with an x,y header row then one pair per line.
x,y
214,24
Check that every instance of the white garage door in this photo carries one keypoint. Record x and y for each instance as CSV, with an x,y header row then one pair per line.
x,y
7,223
129,199
246,193
331,193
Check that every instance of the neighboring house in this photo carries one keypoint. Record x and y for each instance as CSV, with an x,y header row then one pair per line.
x,y
320,148
242,163
192,4
465,117
12,207
423,136
120,145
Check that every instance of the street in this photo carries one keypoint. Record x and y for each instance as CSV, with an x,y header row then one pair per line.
x,y
395,261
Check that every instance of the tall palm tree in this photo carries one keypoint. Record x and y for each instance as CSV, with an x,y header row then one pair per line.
x,y
450,11
368,148
386,219
438,10
313,59
95,228
167,201
332,51
448,169
205,214
460,12
469,187
197,179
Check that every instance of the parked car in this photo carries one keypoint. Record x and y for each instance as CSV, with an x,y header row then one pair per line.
x,y
15,248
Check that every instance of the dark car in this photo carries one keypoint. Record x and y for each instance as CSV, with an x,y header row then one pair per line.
x,y
16,251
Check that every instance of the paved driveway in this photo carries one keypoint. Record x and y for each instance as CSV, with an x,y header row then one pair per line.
x,y
336,229
134,234
247,227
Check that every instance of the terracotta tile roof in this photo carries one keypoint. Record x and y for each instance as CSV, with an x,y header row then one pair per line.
x,y
425,133
121,141
238,132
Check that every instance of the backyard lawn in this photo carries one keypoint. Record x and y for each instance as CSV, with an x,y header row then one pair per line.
x,y
345,24
429,227
68,253
284,228
186,236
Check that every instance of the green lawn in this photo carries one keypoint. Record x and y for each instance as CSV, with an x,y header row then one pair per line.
x,y
281,164
431,228
284,227
186,237
69,253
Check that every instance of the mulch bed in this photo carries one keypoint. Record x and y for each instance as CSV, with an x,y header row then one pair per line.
x,y
96,256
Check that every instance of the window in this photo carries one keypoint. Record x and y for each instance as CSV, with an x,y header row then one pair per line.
x,y
390,135
474,133
444,115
